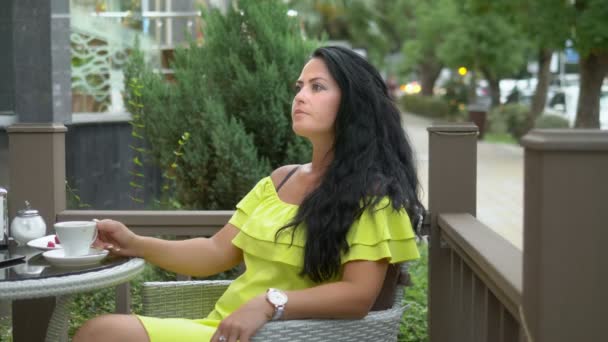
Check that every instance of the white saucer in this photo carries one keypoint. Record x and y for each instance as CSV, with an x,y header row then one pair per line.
x,y
57,257
41,243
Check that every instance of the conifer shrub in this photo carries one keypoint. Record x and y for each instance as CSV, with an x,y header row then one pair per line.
x,y
232,94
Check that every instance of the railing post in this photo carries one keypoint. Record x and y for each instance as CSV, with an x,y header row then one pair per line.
x,y
565,235
452,188
37,169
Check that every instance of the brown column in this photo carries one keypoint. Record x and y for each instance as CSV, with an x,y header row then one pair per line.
x,y
452,189
565,235
37,173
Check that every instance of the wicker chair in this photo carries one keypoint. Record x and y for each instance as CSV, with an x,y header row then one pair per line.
x,y
195,299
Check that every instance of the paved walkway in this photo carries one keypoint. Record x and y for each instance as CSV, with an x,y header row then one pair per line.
x,y
499,180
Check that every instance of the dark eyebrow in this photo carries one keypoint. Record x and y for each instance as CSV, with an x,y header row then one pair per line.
x,y
311,80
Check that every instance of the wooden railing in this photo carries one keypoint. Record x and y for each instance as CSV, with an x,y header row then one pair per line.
x,y
475,274
485,287
482,288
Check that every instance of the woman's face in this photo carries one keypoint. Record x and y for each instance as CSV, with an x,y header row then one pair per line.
x,y
316,103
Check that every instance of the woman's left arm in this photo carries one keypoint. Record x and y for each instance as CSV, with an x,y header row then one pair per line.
x,y
350,298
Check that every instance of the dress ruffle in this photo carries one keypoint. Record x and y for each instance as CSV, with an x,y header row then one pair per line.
x,y
380,233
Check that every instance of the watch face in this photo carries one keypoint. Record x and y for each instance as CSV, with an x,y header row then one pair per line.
x,y
277,297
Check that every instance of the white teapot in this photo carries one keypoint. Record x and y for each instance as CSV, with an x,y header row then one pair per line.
x,y
27,225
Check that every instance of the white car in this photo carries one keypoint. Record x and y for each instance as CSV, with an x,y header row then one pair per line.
x,y
563,101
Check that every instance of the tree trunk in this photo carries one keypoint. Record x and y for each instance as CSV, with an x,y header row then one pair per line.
x,y
472,88
429,72
494,84
593,69
540,94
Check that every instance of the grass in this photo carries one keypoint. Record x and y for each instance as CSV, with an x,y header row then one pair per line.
x,y
414,324
6,333
499,138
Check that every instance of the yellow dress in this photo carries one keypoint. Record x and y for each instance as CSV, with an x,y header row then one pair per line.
x,y
382,233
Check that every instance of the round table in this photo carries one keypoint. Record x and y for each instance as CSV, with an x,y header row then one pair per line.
x,y
70,284
63,287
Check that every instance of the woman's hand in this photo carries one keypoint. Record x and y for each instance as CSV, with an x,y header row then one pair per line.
x,y
117,238
244,322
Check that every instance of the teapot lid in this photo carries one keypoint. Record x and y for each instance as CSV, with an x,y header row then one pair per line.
x,y
28,211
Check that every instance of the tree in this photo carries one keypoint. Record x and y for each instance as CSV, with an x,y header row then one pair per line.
x,y
548,28
232,94
428,22
375,25
486,37
584,23
591,40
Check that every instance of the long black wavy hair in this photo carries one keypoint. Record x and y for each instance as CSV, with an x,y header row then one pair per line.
x,y
372,159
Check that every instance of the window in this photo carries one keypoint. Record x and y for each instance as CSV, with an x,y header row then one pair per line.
x,y
103,33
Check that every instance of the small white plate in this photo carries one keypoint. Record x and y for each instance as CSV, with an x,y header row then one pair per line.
x,y
57,257
42,243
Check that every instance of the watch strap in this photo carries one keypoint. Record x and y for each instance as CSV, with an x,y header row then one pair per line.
x,y
278,312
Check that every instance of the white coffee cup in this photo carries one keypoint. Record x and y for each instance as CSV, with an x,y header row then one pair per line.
x,y
76,237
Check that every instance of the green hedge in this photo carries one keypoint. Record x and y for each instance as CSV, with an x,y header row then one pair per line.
x,y
510,118
414,324
551,121
428,106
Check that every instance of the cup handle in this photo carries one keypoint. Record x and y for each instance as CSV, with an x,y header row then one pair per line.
x,y
96,231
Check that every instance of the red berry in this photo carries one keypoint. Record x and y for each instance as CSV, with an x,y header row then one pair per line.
x,y
57,239
50,244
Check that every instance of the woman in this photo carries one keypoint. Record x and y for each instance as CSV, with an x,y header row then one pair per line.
x,y
317,238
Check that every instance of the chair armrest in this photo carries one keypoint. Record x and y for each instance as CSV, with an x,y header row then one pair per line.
x,y
182,299
195,299
376,326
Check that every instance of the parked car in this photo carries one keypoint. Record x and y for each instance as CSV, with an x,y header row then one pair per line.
x,y
563,101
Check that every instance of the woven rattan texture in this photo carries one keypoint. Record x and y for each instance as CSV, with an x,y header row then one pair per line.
x,y
195,299
58,326
183,299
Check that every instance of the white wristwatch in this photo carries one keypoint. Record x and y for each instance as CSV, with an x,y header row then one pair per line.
x,y
278,299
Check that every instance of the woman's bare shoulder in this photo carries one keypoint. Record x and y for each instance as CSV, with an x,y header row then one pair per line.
x,y
281,172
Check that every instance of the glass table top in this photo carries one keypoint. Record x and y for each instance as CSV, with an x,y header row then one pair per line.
x,y
35,266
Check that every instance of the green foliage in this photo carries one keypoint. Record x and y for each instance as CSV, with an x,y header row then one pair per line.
x,y
551,121
6,329
486,36
378,26
233,96
136,108
414,325
499,138
432,107
549,22
590,34
73,199
510,118
455,95
428,22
